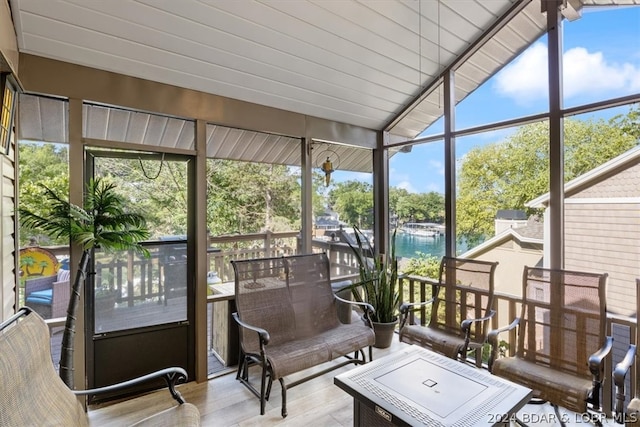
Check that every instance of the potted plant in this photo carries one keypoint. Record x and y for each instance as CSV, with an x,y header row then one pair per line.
x,y
378,286
101,222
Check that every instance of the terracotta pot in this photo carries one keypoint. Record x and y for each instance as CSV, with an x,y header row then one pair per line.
x,y
384,333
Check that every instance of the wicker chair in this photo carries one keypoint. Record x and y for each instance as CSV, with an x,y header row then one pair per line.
x,y
631,414
48,296
33,393
289,322
461,308
561,341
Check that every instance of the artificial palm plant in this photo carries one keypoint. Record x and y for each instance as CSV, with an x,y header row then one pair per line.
x,y
102,222
378,279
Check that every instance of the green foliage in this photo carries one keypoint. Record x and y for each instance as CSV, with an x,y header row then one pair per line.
x,y
101,222
508,174
156,187
378,284
353,200
41,164
416,207
251,197
424,265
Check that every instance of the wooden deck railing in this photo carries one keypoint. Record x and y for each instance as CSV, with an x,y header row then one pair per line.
x,y
140,278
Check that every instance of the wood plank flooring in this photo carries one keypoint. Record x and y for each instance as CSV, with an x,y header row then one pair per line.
x,y
223,401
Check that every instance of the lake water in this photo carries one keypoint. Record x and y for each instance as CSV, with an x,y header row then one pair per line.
x,y
408,245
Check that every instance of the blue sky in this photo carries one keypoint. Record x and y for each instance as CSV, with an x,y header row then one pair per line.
x,y
601,61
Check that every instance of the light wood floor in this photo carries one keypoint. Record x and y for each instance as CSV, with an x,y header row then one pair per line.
x,y
225,402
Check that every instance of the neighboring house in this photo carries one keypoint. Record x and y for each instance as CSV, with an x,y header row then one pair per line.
x,y
513,248
327,220
509,218
602,226
325,225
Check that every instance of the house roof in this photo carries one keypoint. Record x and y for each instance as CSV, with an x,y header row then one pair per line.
x,y
624,160
511,214
533,233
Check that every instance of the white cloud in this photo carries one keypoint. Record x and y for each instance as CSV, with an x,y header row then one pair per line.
x,y
406,185
436,166
584,73
522,79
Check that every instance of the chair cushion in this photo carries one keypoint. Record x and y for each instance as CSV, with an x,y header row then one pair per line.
x,y
41,297
563,389
439,341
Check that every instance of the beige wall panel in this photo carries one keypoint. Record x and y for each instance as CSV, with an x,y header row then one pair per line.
x,y
512,259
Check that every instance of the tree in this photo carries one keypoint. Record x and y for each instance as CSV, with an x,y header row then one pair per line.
x,y
353,200
251,197
102,222
41,164
508,174
416,207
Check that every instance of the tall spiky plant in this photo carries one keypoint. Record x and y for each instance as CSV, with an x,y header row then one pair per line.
x,y
102,222
378,284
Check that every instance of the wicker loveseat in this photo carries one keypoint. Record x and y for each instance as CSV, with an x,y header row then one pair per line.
x,y
49,295
32,394
289,322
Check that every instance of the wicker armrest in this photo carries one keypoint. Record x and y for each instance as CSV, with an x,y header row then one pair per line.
x,y
60,300
619,374
39,284
172,377
263,334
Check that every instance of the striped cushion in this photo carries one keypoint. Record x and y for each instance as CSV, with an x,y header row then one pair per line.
x,y
41,297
